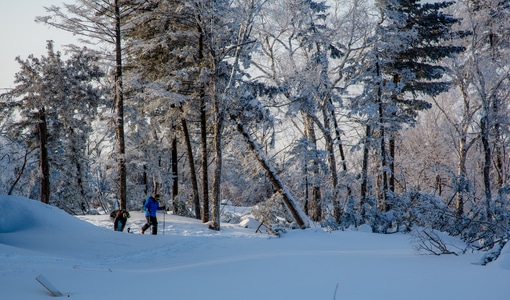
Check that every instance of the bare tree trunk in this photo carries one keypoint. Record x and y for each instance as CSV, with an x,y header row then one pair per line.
x,y
219,115
288,199
461,179
333,176
500,155
175,179
485,124
339,140
315,205
193,173
382,149
364,171
44,168
205,162
203,135
392,163
382,146
119,105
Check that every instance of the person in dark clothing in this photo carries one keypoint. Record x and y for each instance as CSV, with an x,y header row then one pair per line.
x,y
151,207
119,218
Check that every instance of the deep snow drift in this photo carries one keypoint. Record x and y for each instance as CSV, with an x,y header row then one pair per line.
x,y
85,259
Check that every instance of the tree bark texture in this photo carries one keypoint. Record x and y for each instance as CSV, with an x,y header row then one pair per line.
x,y
119,106
218,163
364,171
44,167
193,173
175,178
314,205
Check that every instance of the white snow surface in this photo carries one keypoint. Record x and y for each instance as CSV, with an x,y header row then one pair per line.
x,y
85,259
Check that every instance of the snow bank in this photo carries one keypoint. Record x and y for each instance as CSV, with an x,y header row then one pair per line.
x,y
20,214
86,261
504,258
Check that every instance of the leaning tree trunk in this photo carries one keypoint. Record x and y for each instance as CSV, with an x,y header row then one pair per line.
x,y
288,199
21,170
44,168
193,173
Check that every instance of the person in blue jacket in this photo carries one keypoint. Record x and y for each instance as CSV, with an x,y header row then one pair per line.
x,y
150,207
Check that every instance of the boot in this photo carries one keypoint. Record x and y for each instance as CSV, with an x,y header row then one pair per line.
x,y
147,225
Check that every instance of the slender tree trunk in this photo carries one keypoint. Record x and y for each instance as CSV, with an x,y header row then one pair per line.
x,y
44,167
333,177
461,178
392,164
288,199
307,187
500,156
364,171
219,115
175,178
203,135
145,180
193,173
462,186
119,105
205,163
384,164
315,205
382,149
485,125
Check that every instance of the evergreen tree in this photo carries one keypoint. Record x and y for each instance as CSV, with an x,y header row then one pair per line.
x,y
102,22
163,68
411,40
57,99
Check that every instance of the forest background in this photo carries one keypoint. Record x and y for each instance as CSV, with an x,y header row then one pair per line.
x,y
344,112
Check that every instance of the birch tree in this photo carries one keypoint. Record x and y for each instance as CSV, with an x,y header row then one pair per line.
x,y
486,72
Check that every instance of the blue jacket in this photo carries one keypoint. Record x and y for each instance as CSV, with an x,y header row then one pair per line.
x,y
151,207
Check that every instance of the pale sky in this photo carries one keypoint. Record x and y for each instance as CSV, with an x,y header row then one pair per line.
x,y
21,36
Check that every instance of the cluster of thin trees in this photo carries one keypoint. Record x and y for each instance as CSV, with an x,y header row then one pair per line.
x,y
388,112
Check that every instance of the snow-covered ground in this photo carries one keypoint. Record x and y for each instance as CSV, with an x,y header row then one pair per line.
x,y
85,259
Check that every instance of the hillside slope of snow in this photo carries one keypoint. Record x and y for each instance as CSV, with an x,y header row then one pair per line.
x,y
85,259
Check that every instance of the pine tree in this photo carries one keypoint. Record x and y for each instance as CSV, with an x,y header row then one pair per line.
x,y
163,67
102,22
411,40
57,99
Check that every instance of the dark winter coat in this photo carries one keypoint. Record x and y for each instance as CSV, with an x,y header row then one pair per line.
x,y
119,219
